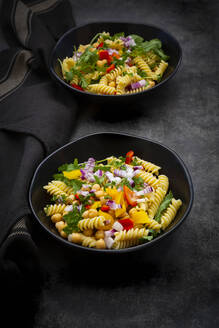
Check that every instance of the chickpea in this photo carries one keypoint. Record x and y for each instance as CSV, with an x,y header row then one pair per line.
x,y
63,234
76,238
70,199
99,193
112,84
99,234
65,212
92,213
60,225
103,200
56,217
85,188
100,244
100,63
88,232
96,187
95,44
85,214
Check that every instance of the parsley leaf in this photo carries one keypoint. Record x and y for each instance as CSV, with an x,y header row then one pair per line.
x,y
139,183
74,183
99,180
69,167
72,219
146,238
163,206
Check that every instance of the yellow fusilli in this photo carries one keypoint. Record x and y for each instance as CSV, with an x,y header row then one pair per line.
x,y
170,213
102,89
97,222
54,209
148,178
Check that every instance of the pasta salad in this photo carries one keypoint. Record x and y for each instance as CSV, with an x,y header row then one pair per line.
x,y
115,65
112,203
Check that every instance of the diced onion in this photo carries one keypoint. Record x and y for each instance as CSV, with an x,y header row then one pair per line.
x,y
117,226
109,242
68,208
110,233
138,84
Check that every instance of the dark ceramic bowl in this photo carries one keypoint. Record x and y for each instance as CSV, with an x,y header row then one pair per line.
x,y
83,35
100,146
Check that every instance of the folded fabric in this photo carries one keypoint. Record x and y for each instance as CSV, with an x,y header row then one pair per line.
x,y
36,117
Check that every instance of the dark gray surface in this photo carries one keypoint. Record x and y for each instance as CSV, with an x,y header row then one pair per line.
x,y
182,289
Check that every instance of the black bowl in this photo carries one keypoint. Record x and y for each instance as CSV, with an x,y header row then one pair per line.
x,y
83,35
99,146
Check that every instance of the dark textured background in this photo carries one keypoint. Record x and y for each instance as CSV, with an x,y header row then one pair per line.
x,y
182,289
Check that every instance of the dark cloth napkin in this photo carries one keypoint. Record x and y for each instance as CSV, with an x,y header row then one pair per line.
x,y
36,117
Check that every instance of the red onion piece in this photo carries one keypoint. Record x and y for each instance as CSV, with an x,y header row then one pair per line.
x,y
147,190
113,205
99,173
68,208
110,233
120,173
117,226
109,242
138,167
138,84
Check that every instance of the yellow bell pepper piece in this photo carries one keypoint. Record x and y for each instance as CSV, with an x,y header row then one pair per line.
x,y
140,217
108,217
72,174
95,205
118,198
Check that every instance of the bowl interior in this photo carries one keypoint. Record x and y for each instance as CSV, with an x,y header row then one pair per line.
x,y
100,146
84,34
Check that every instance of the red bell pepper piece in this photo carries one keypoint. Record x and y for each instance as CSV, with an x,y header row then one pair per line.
x,y
100,45
130,196
110,68
129,157
127,224
103,54
105,208
109,60
114,54
77,86
77,196
87,207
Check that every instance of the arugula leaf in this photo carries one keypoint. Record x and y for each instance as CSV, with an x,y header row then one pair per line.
x,y
143,47
72,219
163,206
137,38
146,238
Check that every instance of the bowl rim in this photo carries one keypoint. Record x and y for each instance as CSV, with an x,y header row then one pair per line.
x,y
117,96
115,251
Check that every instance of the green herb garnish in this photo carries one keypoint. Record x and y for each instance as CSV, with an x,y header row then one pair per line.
x,y
72,219
163,206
